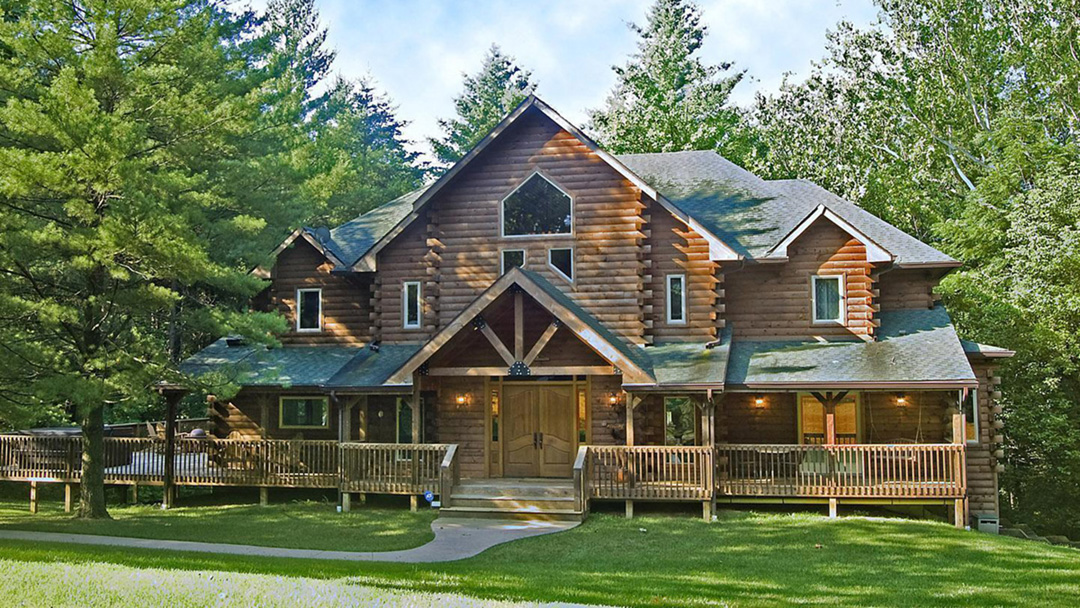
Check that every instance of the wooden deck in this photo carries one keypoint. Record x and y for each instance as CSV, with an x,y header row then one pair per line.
x,y
924,472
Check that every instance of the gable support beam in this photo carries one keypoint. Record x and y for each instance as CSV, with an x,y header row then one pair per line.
x,y
497,343
545,337
519,325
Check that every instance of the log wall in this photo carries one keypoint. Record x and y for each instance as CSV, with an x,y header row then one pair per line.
x,y
774,300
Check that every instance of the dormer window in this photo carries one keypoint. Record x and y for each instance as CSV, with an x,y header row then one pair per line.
x,y
828,299
308,310
537,207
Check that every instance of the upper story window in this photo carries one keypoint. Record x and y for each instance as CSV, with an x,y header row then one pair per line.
x,y
308,310
410,304
511,258
828,299
970,408
537,207
562,260
676,299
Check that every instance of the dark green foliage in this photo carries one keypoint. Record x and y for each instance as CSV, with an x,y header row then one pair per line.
x,y
958,121
666,99
487,97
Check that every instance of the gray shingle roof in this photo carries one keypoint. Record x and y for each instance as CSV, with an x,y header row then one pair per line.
x,y
752,215
914,346
331,367
690,363
351,240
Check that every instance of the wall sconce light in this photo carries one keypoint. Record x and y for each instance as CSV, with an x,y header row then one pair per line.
x,y
901,399
613,399
759,401
463,399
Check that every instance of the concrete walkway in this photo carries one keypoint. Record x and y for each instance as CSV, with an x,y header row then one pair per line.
x,y
454,539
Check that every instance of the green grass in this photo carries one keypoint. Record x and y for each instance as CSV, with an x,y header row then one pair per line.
x,y
305,524
744,559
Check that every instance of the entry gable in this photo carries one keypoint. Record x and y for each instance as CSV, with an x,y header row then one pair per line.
x,y
518,353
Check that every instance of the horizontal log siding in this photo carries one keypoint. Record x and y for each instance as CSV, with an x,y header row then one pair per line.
x,y
907,289
405,259
459,243
774,300
744,422
345,300
463,425
676,249
981,463
608,423
924,418
241,418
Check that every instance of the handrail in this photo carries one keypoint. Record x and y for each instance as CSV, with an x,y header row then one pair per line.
x,y
874,471
449,475
581,480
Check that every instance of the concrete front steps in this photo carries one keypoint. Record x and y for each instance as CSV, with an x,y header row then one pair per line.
x,y
520,499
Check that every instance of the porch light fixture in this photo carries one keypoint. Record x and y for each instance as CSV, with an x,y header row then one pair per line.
x,y
463,399
759,401
901,399
613,399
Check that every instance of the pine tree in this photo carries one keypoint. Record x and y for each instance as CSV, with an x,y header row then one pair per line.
x,y
132,136
666,99
488,96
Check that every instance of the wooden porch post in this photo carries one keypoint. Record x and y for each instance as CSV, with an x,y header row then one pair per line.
x,y
959,437
67,497
264,415
172,399
632,402
708,439
362,427
33,497
414,404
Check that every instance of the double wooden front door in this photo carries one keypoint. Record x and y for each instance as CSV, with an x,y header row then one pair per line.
x,y
539,430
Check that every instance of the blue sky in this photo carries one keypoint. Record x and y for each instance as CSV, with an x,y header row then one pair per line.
x,y
416,50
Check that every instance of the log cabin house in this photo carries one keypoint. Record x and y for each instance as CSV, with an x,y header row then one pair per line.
x,y
582,326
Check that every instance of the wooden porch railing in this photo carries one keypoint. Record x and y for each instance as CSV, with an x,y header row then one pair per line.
x,y
449,475
842,471
384,468
651,472
582,480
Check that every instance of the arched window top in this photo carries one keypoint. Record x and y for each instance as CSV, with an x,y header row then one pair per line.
x,y
537,207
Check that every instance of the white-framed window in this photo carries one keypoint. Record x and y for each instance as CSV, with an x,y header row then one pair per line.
x,y
828,301
309,309
511,258
676,299
411,305
536,207
304,413
970,408
561,259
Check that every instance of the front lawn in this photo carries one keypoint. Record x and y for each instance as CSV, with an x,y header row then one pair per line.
x,y
303,524
744,559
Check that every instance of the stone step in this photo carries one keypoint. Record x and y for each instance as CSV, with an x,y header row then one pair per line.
x,y
489,513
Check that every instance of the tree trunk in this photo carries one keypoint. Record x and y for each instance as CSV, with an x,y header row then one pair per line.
x,y
92,487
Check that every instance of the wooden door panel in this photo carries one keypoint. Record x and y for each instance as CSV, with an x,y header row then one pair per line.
x,y
520,420
556,410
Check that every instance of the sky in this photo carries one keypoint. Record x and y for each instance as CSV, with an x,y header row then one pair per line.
x,y
416,51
